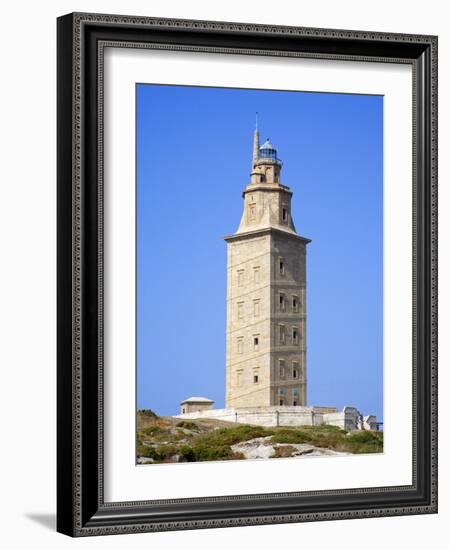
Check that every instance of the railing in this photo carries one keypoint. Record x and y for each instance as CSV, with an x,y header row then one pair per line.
x,y
275,160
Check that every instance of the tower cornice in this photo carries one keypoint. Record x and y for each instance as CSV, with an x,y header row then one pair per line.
x,y
267,187
265,231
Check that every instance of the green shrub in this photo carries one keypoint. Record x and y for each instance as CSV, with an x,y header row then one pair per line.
x,y
323,428
167,451
216,444
187,453
364,441
366,436
149,452
204,453
232,435
331,437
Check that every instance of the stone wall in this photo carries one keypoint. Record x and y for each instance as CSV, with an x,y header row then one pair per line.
x,y
248,318
266,321
348,418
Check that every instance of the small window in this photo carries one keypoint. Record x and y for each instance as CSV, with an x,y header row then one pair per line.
x,y
239,345
240,310
281,267
256,308
256,378
281,402
281,391
239,376
295,370
282,302
284,215
252,212
183,410
282,334
256,343
294,403
240,277
281,368
257,274
295,392
295,306
295,335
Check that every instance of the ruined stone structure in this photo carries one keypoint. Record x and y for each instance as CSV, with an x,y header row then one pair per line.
x,y
266,294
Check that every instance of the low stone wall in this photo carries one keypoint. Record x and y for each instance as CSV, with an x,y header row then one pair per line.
x,y
348,418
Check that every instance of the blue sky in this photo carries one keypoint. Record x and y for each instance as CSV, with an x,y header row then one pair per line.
x,y
194,149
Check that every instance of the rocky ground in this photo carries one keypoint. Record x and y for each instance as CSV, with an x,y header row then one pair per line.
x,y
169,439
263,447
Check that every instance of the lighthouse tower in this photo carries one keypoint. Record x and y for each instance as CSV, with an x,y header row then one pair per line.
x,y
266,293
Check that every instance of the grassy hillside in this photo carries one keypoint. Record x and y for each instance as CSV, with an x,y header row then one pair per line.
x,y
168,439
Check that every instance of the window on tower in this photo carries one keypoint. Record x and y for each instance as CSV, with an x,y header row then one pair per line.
x,y
295,335
295,370
281,266
281,368
240,306
257,274
256,342
284,215
240,345
282,334
252,212
240,277
282,302
295,304
256,378
256,308
239,377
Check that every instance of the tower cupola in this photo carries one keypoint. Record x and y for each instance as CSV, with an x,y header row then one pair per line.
x,y
268,152
266,164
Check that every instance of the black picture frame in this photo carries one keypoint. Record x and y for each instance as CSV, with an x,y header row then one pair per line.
x,y
81,509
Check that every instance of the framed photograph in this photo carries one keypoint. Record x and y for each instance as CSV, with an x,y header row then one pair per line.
x,y
247,279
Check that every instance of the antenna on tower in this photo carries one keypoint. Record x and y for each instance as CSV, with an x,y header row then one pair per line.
x,y
256,142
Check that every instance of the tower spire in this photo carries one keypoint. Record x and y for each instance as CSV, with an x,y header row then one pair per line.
x,y
256,142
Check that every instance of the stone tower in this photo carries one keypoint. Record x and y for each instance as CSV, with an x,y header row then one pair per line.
x,y
266,294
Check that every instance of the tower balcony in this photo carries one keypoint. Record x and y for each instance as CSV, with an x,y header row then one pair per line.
x,y
268,160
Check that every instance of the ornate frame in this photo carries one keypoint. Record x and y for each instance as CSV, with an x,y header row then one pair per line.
x,y
81,507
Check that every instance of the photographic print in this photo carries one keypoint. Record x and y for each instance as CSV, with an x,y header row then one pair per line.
x,y
259,274
247,259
